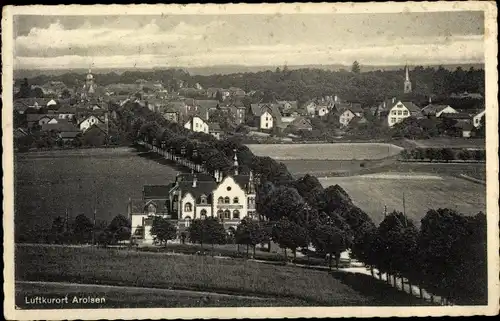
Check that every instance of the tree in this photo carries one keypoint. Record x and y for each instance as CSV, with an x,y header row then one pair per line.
x,y
397,245
57,230
162,230
447,154
82,229
65,94
208,230
289,235
281,202
250,233
449,249
355,67
331,240
218,96
119,228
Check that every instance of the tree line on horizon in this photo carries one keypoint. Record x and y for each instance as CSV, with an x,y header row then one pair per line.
x,y
307,83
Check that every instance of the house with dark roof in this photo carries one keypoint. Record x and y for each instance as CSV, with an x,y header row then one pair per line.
x,y
300,123
265,116
347,112
230,198
95,135
214,129
197,124
437,110
401,110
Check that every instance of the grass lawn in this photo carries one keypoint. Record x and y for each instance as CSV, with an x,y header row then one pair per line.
x,y
133,297
334,151
422,192
450,142
49,183
230,276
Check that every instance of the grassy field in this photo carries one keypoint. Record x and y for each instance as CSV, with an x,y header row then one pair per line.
x,y
128,268
337,151
49,183
451,142
134,297
422,192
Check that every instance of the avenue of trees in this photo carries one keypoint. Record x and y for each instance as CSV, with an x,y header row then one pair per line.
x,y
298,213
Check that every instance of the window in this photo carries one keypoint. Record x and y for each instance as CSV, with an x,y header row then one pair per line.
x,y
151,209
228,188
400,112
187,221
220,200
236,200
394,112
220,213
405,113
227,214
267,125
203,214
188,207
203,199
227,200
236,214
393,119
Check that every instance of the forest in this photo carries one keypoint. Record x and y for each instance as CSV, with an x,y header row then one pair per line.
x,y
304,84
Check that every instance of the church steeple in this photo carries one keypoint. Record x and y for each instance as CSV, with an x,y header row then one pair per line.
x,y
236,165
407,83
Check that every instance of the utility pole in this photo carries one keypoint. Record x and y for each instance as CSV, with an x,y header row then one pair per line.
x,y
404,208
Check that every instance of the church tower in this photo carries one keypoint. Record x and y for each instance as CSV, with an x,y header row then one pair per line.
x,y
89,87
407,83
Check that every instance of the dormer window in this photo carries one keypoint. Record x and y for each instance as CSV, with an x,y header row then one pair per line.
x,y
203,199
188,207
151,209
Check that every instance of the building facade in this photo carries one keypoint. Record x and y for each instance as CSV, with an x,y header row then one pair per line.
x,y
193,196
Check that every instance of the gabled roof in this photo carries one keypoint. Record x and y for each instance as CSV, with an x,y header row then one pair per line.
x,y
156,191
60,127
66,110
409,105
68,134
300,121
433,109
259,109
456,115
214,127
208,104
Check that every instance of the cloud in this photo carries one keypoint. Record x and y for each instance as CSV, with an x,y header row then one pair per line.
x,y
56,40
217,42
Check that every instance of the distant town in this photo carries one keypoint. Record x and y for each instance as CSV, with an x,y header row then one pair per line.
x,y
72,110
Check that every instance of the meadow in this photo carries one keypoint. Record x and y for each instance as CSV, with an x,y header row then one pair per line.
x,y
450,142
336,151
47,184
199,273
422,192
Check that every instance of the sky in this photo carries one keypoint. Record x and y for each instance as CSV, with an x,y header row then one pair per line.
x,y
127,41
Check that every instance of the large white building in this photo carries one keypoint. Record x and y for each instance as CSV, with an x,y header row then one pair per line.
x,y
401,110
194,196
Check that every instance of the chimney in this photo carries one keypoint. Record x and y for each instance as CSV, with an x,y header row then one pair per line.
x,y
393,100
336,98
216,175
195,180
430,100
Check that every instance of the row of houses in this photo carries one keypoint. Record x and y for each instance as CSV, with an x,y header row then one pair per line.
x,y
394,111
